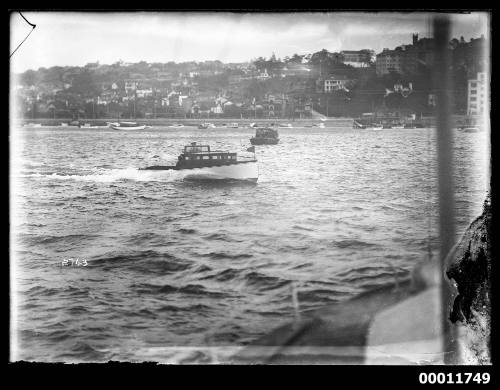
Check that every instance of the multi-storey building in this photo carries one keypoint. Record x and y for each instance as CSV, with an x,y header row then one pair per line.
x,y
390,61
477,95
406,58
358,58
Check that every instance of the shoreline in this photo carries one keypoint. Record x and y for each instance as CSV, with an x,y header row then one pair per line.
x,y
456,120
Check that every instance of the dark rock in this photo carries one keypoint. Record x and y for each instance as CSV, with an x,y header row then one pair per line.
x,y
469,265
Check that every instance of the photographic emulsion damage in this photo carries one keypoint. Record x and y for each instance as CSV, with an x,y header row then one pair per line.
x,y
250,188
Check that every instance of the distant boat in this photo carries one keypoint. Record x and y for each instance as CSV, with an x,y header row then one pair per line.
x,y
206,126
253,125
32,125
200,163
386,126
93,126
126,126
473,129
64,124
287,125
265,136
358,125
232,126
374,126
321,125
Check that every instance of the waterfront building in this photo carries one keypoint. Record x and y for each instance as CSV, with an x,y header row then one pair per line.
x,y
476,95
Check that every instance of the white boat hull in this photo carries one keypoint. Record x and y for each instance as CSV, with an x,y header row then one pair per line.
x,y
128,127
241,171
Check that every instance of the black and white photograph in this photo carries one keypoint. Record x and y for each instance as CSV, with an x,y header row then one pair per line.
x,y
251,188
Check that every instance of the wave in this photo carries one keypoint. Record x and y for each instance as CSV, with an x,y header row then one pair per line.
x,y
223,255
67,239
360,279
191,308
187,231
264,282
220,237
224,276
143,262
190,289
354,244
28,162
83,351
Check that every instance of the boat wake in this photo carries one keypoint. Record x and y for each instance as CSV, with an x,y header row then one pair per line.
x,y
111,175
106,175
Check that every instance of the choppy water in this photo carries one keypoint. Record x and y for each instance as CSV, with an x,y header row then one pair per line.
x,y
175,263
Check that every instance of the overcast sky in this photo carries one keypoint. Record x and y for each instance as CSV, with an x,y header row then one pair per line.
x,y
78,38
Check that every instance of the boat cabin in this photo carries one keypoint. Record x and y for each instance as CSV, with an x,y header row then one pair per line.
x,y
266,132
197,156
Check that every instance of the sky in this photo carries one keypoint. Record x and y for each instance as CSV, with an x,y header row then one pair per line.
x,y
71,38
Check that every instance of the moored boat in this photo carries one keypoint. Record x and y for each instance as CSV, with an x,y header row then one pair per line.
x,y
472,129
375,126
358,125
32,125
232,126
126,126
94,125
198,162
206,126
286,125
265,136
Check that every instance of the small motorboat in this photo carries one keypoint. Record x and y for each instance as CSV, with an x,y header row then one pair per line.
x,y
126,126
30,125
206,126
321,125
94,126
232,126
265,136
286,125
198,162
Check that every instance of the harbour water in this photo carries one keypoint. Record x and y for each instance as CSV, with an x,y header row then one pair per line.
x,y
175,263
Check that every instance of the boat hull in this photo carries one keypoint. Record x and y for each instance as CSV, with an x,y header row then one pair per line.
x,y
264,141
128,127
242,170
